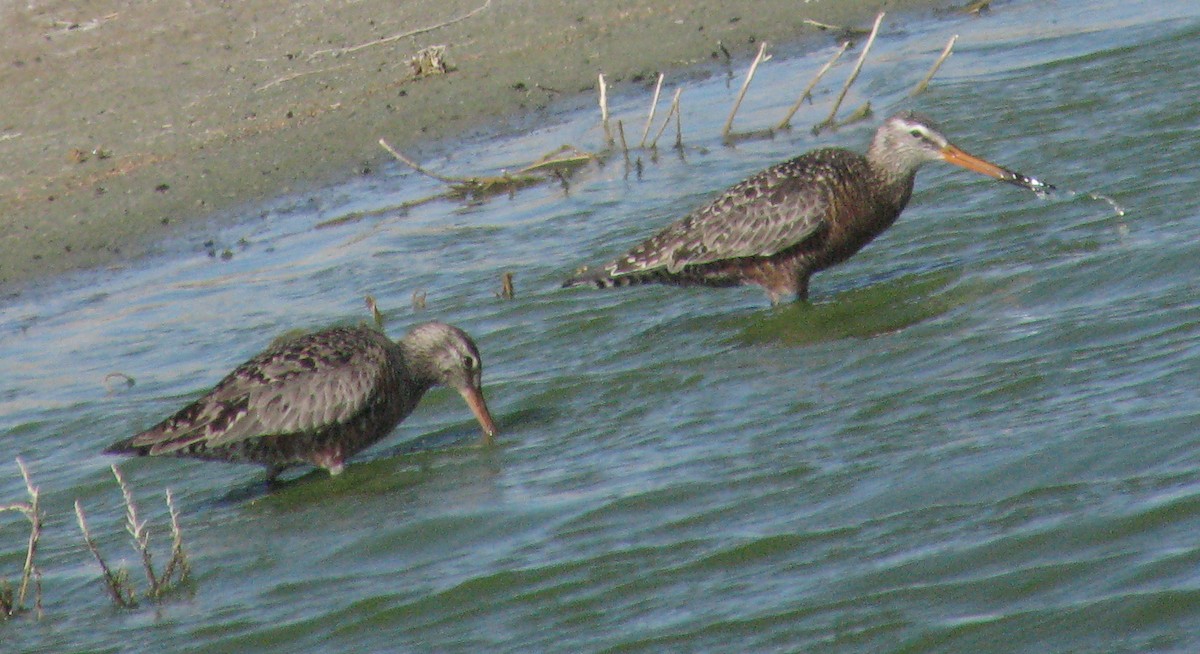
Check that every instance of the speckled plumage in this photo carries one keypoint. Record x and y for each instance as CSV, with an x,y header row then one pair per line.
x,y
318,399
793,219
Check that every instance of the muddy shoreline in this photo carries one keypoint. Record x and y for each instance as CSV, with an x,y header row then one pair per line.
x,y
124,122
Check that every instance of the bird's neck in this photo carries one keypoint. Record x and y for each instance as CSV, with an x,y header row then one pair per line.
x,y
417,362
892,183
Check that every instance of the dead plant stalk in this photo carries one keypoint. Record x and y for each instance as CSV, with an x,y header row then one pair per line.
x,y
759,58
653,107
787,120
29,571
831,121
924,83
673,111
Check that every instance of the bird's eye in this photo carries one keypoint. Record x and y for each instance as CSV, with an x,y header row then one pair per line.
x,y
916,133
469,362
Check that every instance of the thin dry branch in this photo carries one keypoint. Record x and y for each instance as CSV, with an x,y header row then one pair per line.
x,y
29,571
337,52
292,76
653,107
786,123
507,292
673,111
137,530
831,121
178,560
826,27
621,134
678,125
924,84
417,167
116,583
376,315
565,160
608,139
478,187
34,514
762,48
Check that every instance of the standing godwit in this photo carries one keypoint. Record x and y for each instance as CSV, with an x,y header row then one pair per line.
x,y
319,398
785,223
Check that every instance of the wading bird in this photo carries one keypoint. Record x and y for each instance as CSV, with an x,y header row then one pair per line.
x,y
789,221
319,398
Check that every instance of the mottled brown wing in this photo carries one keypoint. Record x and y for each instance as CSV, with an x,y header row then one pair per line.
x,y
298,386
770,212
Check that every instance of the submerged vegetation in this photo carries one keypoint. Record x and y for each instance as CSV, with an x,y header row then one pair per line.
x,y
16,599
118,584
12,601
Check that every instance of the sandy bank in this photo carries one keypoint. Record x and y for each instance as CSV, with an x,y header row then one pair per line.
x,y
124,119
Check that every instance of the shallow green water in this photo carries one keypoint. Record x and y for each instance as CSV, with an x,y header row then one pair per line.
x,y
981,437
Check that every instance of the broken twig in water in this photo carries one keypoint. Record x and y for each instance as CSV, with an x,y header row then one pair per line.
x,y
924,83
116,583
863,112
608,139
673,111
826,27
417,167
977,8
831,121
506,286
337,52
469,186
624,145
678,124
563,161
653,107
9,604
376,315
762,48
786,123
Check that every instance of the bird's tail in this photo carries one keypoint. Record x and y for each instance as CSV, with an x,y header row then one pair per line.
x,y
601,278
127,446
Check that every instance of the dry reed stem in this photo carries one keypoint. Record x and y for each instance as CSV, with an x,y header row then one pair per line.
x,y
34,514
673,111
116,583
507,292
608,139
924,83
831,121
178,556
417,167
376,315
337,52
653,107
678,124
468,186
292,76
762,48
786,123
565,159
621,134
848,31
137,529
29,571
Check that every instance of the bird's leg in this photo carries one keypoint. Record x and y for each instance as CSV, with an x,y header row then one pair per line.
x,y
273,474
802,286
